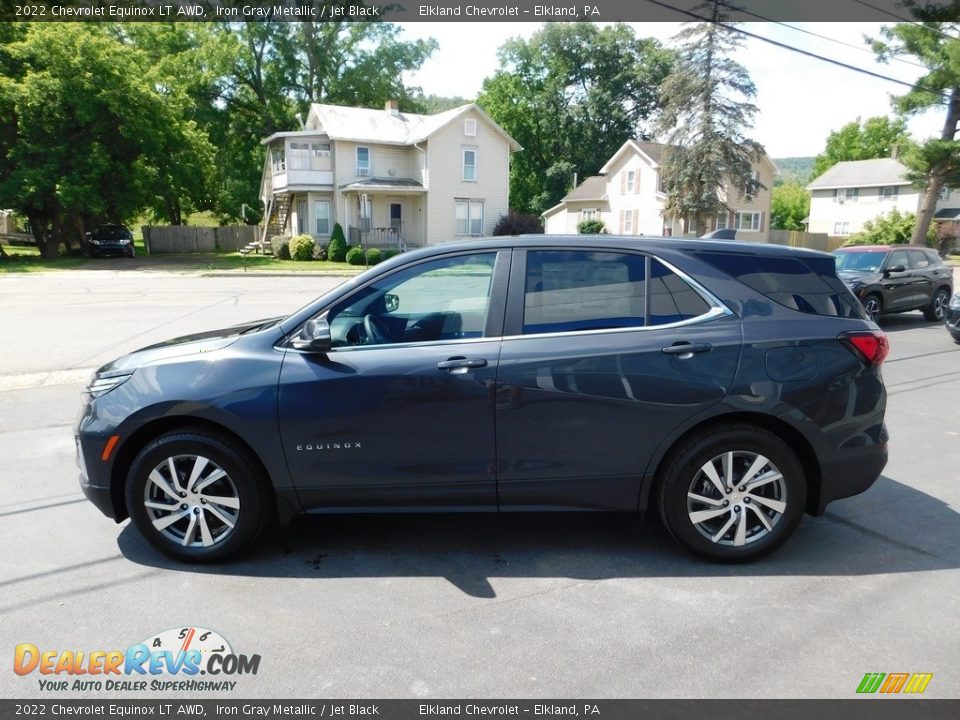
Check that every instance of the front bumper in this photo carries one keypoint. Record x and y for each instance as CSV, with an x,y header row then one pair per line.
x,y
953,323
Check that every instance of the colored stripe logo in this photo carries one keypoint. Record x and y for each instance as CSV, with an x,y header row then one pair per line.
x,y
894,683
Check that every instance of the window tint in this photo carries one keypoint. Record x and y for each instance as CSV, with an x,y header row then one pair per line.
x,y
569,291
918,260
809,285
898,257
444,299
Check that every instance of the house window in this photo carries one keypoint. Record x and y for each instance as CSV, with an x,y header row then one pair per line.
x,y
722,221
470,165
845,195
841,228
753,184
469,217
366,213
321,209
631,181
363,161
944,193
470,127
889,193
627,216
747,221
661,185
276,159
588,214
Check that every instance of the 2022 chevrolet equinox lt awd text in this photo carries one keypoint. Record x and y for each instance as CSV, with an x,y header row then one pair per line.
x,y
731,386
897,278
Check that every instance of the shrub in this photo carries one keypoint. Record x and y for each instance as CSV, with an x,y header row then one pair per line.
x,y
591,227
392,252
517,223
374,255
337,233
355,256
301,247
894,228
280,246
319,252
337,249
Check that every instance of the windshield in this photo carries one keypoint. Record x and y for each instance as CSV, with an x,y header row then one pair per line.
x,y
111,232
864,261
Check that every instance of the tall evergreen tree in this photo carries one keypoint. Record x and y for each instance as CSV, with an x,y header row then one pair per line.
x,y
706,109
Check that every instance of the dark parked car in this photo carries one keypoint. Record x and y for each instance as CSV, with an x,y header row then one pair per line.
x,y
953,318
110,240
730,386
896,278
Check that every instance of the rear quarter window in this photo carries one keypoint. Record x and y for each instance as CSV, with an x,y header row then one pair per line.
x,y
809,285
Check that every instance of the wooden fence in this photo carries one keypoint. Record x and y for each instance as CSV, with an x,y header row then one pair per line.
x,y
191,239
795,238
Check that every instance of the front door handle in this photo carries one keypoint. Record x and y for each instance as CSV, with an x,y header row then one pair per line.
x,y
461,364
686,350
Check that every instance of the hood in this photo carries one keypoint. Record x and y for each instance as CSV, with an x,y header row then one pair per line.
x,y
194,344
851,277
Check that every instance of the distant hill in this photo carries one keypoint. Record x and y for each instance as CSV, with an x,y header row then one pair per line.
x,y
794,169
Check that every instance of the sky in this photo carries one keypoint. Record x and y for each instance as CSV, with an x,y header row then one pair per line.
x,y
800,99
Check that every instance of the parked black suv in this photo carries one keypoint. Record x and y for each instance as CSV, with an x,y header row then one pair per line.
x,y
732,386
897,278
107,240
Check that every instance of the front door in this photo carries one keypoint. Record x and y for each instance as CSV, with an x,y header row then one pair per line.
x,y
400,412
604,354
396,216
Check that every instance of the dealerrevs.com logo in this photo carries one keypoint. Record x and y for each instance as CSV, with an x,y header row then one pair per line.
x,y
171,660
894,683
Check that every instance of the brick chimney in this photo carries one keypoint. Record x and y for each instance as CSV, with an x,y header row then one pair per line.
x,y
392,107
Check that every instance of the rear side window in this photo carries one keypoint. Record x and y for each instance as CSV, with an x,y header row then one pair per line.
x,y
572,291
809,285
918,260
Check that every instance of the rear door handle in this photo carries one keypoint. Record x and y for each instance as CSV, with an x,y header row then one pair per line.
x,y
686,350
461,363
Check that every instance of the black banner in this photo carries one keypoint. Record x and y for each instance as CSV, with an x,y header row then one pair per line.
x,y
862,709
456,11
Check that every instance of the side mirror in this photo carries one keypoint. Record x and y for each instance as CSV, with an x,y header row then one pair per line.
x,y
391,302
894,268
314,336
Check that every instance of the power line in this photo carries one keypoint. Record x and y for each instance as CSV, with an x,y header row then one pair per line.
x,y
901,18
808,53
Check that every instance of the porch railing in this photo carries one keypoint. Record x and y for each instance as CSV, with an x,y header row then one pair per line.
x,y
384,238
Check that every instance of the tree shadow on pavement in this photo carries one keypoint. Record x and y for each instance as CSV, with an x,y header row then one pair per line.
x,y
892,529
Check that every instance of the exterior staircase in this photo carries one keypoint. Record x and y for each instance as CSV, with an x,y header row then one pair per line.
x,y
275,222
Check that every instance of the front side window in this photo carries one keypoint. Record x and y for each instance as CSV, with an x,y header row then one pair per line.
x,y
470,165
898,257
469,218
363,161
574,291
444,299
322,211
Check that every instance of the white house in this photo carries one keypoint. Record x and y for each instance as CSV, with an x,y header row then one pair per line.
x,y
852,192
628,197
389,178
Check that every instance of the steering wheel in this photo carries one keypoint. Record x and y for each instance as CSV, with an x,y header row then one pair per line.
x,y
376,330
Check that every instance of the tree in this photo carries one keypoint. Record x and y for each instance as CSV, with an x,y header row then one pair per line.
x,y
89,133
789,206
706,109
894,228
876,137
571,95
934,163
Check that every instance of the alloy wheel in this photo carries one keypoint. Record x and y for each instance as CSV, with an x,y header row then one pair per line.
x,y
191,501
940,301
872,306
736,498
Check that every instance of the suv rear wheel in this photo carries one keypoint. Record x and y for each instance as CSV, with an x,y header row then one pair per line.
x,y
937,309
197,496
733,494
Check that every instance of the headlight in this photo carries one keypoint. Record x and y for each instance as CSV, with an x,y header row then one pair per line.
x,y
124,241
94,242
955,302
102,385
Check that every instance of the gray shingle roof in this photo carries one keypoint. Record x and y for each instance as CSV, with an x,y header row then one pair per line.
x,y
862,173
593,188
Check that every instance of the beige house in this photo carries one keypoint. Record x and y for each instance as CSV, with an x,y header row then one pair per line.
x,y
391,179
627,196
852,192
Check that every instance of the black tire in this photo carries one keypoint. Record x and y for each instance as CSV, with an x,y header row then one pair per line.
x,y
242,482
873,304
936,311
683,474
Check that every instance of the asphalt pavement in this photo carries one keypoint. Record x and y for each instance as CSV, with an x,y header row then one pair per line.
x,y
569,605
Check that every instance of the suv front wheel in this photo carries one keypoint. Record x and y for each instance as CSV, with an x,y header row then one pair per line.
x,y
197,496
937,309
733,494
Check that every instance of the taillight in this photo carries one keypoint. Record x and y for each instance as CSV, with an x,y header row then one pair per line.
x,y
870,345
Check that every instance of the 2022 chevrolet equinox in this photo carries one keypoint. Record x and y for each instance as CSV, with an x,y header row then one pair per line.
x,y
731,386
